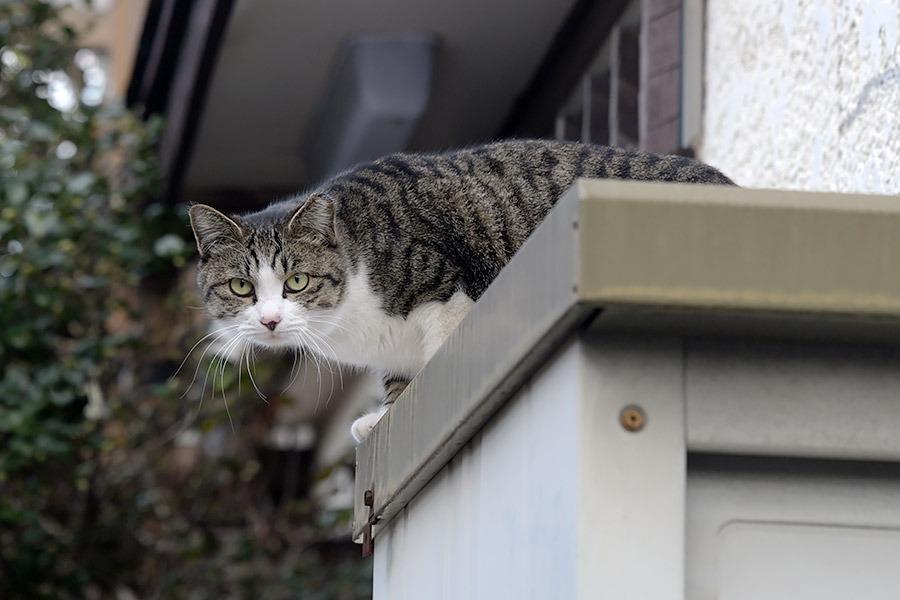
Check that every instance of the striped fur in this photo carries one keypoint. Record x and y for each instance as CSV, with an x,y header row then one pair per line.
x,y
398,249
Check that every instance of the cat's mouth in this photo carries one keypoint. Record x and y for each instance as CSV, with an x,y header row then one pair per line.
x,y
272,339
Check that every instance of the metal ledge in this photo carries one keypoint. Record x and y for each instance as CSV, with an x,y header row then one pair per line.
x,y
641,257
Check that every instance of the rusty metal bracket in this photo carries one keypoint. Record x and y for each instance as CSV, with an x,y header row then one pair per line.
x,y
368,545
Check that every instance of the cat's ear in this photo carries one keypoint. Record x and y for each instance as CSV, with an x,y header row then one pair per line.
x,y
316,215
211,226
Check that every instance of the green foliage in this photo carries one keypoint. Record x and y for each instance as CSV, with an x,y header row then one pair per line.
x,y
74,242
94,496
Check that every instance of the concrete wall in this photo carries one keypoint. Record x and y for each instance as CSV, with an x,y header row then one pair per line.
x,y
804,94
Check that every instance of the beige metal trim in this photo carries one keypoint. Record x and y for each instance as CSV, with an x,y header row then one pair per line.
x,y
719,248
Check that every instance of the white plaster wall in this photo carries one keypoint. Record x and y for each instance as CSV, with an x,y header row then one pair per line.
x,y
804,94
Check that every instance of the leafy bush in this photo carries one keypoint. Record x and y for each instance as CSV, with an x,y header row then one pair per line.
x,y
75,242
95,500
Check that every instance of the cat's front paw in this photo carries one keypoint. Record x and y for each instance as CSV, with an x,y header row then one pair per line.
x,y
363,425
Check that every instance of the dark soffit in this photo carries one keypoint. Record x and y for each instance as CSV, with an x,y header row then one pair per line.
x,y
173,65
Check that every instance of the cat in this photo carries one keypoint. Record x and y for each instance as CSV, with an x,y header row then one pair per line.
x,y
376,266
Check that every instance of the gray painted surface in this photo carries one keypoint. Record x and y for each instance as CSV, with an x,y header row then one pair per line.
x,y
809,400
553,499
492,500
631,485
819,530
786,560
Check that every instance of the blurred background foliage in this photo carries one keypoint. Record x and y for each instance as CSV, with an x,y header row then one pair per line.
x,y
99,496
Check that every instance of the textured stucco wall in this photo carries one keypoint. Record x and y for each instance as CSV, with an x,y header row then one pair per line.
x,y
804,94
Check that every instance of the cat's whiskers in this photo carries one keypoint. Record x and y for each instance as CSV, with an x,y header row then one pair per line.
x,y
312,339
330,366
301,341
222,331
253,355
250,354
295,372
334,319
224,400
220,370
322,338
200,364
239,365
341,324
214,368
304,351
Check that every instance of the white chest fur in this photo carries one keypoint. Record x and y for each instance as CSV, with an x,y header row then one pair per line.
x,y
364,335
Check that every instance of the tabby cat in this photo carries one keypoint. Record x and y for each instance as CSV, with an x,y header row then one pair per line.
x,y
377,265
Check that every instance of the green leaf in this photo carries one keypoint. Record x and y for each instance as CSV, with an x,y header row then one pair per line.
x,y
82,183
169,245
42,132
51,445
16,193
39,223
18,336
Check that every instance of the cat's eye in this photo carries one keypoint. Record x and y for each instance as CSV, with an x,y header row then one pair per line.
x,y
297,283
241,287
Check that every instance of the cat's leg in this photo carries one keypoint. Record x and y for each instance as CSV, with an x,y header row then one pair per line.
x,y
437,320
392,386
362,426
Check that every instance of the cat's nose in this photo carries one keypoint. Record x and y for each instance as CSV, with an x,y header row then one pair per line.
x,y
269,322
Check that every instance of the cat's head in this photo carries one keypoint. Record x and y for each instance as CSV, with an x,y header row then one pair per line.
x,y
271,277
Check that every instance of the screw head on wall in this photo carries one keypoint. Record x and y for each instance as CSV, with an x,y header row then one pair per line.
x,y
632,418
